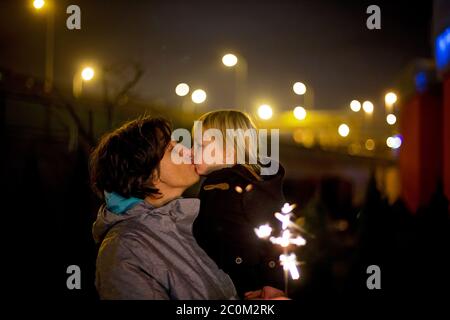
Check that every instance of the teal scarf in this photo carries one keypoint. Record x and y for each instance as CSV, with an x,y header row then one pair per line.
x,y
118,204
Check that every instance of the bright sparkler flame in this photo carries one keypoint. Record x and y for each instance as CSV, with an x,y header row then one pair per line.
x,y
284,218
289,262
289,236
263,231
287,208
286,239
299,241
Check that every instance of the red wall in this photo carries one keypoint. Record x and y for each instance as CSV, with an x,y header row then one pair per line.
x,y
421,151
409,152
446,135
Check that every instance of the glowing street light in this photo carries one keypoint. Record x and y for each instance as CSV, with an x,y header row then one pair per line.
x,y
239,64
391,119
390,98
265,112
355,105
343,130
394,142
367,107
182,89
87,74
229,60
38,4
49,42
299,88
370,144
299,113
198,96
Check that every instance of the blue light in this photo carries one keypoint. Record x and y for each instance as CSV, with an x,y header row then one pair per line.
x,y
421,81
442,50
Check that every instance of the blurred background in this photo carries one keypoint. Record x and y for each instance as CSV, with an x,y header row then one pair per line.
x,y
364,120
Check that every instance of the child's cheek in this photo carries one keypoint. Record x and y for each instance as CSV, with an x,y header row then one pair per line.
x,y
201,168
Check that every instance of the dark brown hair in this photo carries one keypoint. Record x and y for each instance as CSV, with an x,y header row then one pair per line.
x,y
126,159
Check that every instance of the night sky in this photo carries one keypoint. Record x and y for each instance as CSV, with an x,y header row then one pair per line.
x,y
323,43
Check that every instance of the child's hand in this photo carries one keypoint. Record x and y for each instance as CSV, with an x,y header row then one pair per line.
x,y
266,293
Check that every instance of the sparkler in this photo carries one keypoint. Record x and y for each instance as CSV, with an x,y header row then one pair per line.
x,y
290,235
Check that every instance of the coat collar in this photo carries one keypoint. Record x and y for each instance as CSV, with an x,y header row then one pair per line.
x,y
182,211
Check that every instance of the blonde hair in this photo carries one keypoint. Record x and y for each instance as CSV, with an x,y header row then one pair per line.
x,y
235,119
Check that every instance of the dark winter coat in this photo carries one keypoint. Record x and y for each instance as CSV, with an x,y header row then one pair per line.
x,y
235,201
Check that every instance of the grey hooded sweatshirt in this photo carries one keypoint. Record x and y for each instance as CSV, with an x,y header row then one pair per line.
x,y
150,253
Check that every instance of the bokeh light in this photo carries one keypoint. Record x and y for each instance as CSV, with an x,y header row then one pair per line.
x,y
355,105
343,130
198,96
182,89
390,98
299,113
230,60
38,4
299,88
394,142
391,119
87,74
265,112
368,107
370,144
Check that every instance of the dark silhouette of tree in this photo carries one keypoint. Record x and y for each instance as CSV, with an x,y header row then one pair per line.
x,y
118,81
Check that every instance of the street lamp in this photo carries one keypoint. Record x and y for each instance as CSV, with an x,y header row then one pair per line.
x,y
198,96
391,119
355,105
394,142
370,144
49,43
86,74
343,130
299,113
38,4
182,89
368,107
238,62
229,60
300,89
390,99
265,112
